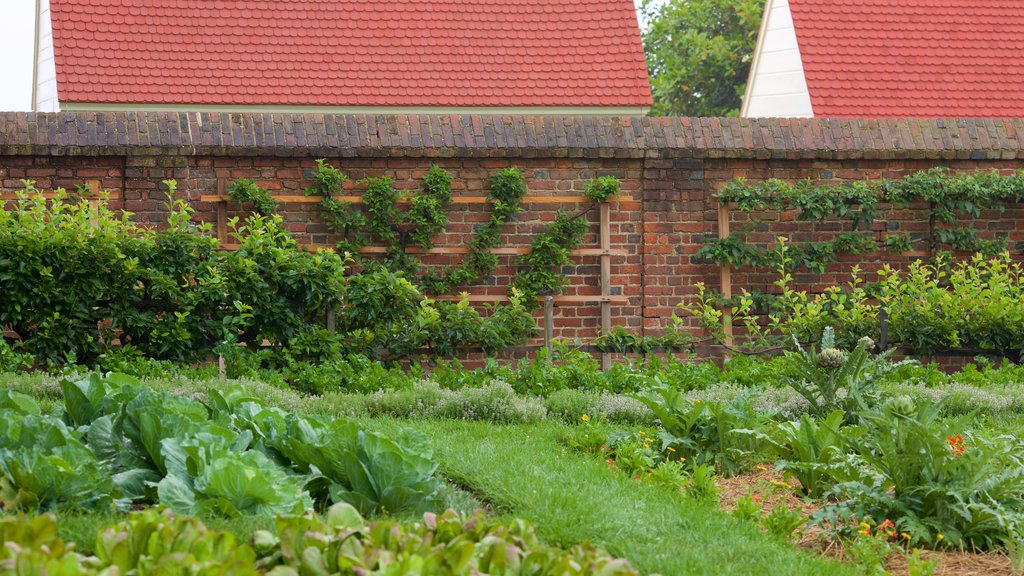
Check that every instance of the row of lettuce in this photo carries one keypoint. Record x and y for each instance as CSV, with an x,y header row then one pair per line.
x,y
339,542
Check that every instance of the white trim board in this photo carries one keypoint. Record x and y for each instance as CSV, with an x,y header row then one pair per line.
x,y
777,86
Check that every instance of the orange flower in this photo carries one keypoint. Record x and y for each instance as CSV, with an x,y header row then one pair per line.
x,y
888,528
956,444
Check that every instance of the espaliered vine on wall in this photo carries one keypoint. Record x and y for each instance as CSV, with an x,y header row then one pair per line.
x,y
540,269
506,193
950,198
380,219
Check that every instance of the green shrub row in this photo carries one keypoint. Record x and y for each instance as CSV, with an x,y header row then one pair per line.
x,y
929,308
75,281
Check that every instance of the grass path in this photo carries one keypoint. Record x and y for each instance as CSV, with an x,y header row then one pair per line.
x,y
572,499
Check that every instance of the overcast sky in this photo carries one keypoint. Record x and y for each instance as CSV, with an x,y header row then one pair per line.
x,y
17,29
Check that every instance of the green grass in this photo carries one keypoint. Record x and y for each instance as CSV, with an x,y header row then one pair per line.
x,y
572,499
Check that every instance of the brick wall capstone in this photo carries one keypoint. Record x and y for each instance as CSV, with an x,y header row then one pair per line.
x,y
255,134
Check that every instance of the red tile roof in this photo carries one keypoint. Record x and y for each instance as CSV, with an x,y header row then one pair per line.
x,y
350,52
912,58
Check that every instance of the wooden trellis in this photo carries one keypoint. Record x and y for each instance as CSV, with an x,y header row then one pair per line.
x,y
604,252
92,188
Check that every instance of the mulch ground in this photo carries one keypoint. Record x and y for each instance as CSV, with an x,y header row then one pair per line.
x,y
773,491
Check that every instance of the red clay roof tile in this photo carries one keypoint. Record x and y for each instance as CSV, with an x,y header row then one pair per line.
x,y
912,58
350,52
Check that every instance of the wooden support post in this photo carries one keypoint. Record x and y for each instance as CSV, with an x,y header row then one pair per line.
x,y
883,328
606,278
726,274
222,214
549,316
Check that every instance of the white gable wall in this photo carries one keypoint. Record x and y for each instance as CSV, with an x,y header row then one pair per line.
x,y
45,93
776,86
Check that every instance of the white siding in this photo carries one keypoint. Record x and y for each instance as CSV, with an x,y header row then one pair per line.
x,y
46,70
777,86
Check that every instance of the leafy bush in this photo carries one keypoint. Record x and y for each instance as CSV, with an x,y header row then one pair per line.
x,y
938,485
12,361
833,379
704,432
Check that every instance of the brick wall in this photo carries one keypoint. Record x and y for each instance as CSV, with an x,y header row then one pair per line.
x,y
670,167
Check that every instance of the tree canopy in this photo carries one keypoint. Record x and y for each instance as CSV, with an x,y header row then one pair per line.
x,y
699,54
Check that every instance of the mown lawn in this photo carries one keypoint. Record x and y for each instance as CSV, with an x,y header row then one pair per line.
x,y
524,470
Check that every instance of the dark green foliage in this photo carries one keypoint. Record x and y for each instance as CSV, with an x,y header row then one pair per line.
x,y
245,191
601,189
73,280
699,54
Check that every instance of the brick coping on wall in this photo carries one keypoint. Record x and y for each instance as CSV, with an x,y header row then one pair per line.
x,y
353,135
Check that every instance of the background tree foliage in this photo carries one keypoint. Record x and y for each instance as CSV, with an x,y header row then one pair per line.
x,y
699,54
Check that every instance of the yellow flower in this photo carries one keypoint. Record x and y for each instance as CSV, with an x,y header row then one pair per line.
x,y
586,418
696,400
865,529
940,538
762,468
905,536
671,449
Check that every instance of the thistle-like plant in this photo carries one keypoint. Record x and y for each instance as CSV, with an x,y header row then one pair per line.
x,y
834,379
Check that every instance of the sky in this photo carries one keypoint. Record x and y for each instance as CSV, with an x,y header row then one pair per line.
x,y
17,30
